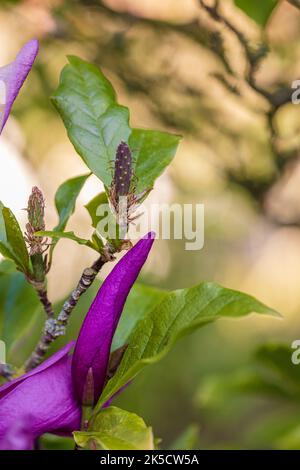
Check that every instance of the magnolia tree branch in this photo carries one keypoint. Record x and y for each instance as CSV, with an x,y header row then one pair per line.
x,y
57,327
86,280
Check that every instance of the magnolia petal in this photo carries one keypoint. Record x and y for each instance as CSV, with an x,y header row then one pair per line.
x,y
38,402
94,342
4,389
12,77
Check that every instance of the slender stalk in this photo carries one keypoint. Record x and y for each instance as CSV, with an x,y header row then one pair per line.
x,y
6,371
87,278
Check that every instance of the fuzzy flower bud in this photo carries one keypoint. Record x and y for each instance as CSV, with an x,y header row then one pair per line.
x,y
36,222
36,209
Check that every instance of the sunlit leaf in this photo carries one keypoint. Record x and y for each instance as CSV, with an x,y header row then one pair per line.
x,y
68,235
116,429
21,316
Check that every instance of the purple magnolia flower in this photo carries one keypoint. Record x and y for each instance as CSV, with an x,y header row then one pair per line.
x,y
49,398
12,77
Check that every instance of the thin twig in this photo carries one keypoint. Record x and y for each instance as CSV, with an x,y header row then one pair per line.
x,y
42,293
86,280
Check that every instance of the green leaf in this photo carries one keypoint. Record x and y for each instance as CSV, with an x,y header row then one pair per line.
x,y
153,151
96,124
65,199
140,301
16,240
104,220
116,429
271,374
21,316
68,235
6,251
5,248
178,314
7,267
260,11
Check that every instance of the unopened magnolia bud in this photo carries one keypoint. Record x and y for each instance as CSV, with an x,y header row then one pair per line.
x,y
36,209
123,170
36,223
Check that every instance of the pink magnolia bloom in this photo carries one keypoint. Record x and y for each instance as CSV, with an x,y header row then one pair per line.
x,y
12,77
49,398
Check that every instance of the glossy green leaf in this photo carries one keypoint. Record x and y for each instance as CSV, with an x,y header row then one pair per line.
x,y
65,199
96,124
178,314
7,252
260,11
104,220
16,240
141,300
5,249
116,429
52,442
289,440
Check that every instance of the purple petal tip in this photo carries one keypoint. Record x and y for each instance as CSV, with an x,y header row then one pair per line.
x,y
12,77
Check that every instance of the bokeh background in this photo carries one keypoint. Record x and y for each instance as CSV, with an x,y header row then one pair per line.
x,y
179,69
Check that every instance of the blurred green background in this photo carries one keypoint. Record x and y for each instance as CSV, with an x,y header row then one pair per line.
x,y
179,69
